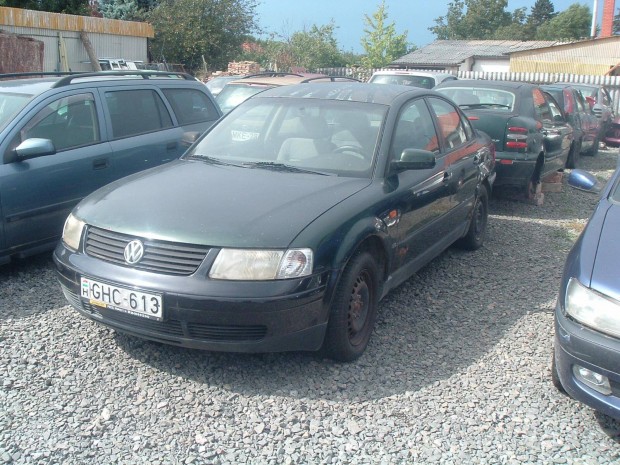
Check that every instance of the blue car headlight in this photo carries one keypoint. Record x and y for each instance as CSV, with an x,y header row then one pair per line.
x,y
592,308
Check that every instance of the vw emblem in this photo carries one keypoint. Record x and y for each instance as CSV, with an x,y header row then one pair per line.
x,y
133,252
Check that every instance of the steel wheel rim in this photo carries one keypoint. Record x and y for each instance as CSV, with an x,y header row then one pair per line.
x,y
359,308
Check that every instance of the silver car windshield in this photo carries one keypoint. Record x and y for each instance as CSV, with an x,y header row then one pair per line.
x,y
327,136
10,105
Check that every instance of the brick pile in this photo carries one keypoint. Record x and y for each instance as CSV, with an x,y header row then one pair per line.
x,y
243,67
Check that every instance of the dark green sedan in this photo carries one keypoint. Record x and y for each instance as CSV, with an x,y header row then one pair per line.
x,y
283,226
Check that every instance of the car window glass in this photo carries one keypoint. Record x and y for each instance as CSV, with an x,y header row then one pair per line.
x,y
556,113
232,95
605,99
414,130
480,98
136,112
541,107
580,102
191,105
10,104
68,122
451,126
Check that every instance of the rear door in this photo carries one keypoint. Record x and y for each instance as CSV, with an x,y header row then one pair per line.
x,y
142,132
558,134
37,194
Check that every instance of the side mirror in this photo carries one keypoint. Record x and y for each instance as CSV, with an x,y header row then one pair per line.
x,y
558,119
582,180
34,147
414,159
190,137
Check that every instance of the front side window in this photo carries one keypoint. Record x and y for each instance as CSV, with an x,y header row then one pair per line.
x,y
414,130
136,112
191,106
451,127
68,122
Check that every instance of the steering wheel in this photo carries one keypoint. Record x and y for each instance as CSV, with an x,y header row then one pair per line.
x,y
352,150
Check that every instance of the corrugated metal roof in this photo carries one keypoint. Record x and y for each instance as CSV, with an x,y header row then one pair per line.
x,y
40,19
454,52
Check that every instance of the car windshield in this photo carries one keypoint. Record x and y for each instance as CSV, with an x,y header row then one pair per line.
x,y
479,97
333,137
10,104
404,80
233,94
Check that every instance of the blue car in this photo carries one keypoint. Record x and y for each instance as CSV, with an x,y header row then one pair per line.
x,y
586,361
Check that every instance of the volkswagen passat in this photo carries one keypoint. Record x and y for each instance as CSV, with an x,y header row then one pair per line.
x,y
283,226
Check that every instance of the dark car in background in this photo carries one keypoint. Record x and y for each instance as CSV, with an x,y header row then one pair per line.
x,y
580,116
242,89
586,360
531,135
61,138
283,227
601,103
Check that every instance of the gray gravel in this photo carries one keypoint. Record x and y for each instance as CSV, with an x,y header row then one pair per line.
x,y
457,372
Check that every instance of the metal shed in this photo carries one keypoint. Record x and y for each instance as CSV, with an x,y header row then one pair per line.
x,y
60,34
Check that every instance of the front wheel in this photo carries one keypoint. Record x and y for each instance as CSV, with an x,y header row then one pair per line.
x,y
354,309
474,238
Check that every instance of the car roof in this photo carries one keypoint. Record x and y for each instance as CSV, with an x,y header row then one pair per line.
x,y
485,83
384,94
35,86
278,80
404,72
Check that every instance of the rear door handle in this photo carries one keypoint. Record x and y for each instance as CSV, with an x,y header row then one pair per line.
x,y
172,145
100,163
447,176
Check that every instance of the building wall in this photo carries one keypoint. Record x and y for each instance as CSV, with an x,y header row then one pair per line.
x,y
486,65
590,57
109,38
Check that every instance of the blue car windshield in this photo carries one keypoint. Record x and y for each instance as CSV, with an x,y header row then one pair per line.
x,y
336,137
10,105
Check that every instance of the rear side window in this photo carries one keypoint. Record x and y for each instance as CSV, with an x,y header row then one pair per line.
x,y
191,106
541,107
451,127
136,112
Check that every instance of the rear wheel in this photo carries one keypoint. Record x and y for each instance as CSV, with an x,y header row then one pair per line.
x,y
573,155
354,309
474,238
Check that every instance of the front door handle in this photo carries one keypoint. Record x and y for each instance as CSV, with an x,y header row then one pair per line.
x,y
172,145
100,163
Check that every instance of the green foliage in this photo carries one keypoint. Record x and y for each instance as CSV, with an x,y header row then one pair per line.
x,y
127,10
381,43
573,23
472,19
188,30
616,28
316,48
72,7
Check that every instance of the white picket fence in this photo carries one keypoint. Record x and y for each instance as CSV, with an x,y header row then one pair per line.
x,y
611,82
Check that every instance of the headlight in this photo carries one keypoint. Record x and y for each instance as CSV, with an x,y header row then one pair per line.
x,y
592,309
261,265
72,232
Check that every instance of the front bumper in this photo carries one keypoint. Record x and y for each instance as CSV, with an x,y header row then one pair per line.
x,y
232,317
576,344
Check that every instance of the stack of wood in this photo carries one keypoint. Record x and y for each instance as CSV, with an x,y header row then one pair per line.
x,y
243,67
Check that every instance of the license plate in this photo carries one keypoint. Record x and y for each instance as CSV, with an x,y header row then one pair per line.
x,y
122,299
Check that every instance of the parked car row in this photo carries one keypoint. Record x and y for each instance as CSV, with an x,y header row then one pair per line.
x,y
287,221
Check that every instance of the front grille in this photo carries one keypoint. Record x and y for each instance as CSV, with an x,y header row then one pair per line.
x,y
159,256
170,327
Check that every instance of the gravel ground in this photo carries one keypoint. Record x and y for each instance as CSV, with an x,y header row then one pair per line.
x,y
457,372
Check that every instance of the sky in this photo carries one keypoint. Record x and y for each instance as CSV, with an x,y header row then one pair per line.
x,y
284,17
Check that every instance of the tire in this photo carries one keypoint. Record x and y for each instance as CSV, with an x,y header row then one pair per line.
x,y
573,156
474,238
594,149
354,309
555,378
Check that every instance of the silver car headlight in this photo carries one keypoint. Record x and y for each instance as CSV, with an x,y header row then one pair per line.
x,y
261,265
592,308
72,232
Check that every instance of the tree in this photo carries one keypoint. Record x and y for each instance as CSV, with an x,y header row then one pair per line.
x,y
188,30
516,30
316,48
616,29
127,10
381,43
473,19
573,23
72,7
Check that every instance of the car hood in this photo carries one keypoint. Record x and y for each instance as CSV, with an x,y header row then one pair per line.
x,y
607,262
216,205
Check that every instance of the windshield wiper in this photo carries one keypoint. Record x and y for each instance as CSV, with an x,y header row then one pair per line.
x,y
212,160
271,165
